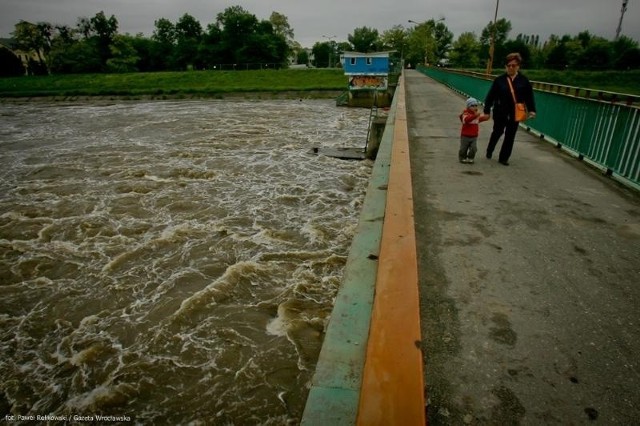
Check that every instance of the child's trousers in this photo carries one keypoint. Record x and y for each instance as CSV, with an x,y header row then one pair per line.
x,y
468,148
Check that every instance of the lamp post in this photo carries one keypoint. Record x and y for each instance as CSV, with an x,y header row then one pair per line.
x,y
493,41
427,33
331,43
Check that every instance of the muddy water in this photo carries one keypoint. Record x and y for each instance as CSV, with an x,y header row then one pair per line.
x,y
172,262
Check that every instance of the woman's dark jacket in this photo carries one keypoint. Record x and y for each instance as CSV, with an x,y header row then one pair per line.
x,y
499,97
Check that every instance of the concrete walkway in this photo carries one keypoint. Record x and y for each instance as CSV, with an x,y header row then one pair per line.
x,y
529,278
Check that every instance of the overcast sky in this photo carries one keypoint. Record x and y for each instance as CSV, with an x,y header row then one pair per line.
x,y
313,19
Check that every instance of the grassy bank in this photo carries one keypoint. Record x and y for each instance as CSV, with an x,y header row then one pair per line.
x,y
176,84
304,83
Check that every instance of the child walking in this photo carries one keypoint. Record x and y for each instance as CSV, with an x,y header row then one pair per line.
x,y
470,118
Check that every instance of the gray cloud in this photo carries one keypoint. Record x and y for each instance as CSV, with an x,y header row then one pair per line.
x,y
311,19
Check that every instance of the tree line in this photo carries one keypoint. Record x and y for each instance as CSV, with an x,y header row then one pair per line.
x,y
584,51
237,39
95,45
433,43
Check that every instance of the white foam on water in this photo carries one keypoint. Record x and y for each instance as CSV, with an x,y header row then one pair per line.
x,y
173,261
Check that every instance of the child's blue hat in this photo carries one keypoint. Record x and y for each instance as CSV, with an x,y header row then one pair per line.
x,y
472,102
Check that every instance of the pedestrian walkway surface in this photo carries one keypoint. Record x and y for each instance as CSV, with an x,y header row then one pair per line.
x,y
529,277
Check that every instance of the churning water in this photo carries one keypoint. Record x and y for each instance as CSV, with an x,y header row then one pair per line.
x,y
172,262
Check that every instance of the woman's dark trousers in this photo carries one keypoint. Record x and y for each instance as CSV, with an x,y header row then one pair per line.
x,y
509,128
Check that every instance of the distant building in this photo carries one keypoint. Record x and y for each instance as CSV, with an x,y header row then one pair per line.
x,y
27,58
366,71
368,75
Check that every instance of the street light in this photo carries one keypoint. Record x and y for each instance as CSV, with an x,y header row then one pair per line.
x,y
331,43
493,41
426,43
428,32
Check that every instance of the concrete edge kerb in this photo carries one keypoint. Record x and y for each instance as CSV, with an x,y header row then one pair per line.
x,y
392,391
335,390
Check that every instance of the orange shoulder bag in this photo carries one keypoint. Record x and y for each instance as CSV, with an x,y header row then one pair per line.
x,y
520,113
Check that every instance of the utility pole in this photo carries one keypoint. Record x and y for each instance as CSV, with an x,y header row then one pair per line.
x,y
624,9
493,41
332,45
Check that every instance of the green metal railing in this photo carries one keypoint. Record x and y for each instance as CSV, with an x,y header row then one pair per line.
x,y
605,132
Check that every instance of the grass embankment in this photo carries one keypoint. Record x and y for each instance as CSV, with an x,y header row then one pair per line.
x,y
313,82
307,83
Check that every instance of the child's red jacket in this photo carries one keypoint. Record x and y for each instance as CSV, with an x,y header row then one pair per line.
x,y
470,122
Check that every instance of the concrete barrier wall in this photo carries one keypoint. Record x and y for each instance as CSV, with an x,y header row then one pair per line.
x,y
370,365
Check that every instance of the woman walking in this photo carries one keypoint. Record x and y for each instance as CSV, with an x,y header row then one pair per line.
x,y
508,89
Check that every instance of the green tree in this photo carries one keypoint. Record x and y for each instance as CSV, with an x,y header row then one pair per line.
x,y
187,28
237,24
65,34
465,52
165,32
104,31
77,56
34,39
574,49
322,52
250,43
428,42
188,33
266,47
61,42
164,38
585,38
211,48
395,39
442,38
630,59
124,57
344,46
625,53
500,35
418,40
282,30
557,57
595,56
84,27
281,26
145,50
88,48
365,40
302,57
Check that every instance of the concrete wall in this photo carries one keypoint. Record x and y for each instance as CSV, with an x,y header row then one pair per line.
x,y
370,365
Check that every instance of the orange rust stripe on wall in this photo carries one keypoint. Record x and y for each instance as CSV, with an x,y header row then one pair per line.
x,y
393,388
